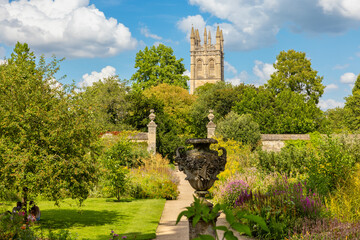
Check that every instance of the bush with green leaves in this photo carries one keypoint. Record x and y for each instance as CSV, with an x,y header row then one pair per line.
x,y
241,128
292,159
116,162
329,165
200,211
154,179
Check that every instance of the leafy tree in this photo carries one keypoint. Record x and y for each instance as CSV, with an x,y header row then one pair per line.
x,y
352,107
240,128
47,142
259,102
294,72
158,65
116,161
220,97
286,112
173,122
334,121
107,101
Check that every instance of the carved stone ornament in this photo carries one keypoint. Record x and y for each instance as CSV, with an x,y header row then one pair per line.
x,y
201,165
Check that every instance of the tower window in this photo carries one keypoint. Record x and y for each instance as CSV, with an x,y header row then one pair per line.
x,y
211,67
199,67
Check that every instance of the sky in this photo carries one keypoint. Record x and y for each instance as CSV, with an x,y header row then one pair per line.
x,y
100,38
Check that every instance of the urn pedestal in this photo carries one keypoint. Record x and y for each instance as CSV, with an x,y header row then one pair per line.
x,y
201,166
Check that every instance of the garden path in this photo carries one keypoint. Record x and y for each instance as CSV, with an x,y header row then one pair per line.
x,y
167,230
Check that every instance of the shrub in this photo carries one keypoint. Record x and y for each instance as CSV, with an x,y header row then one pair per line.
x,y
155,179
230,193
328,165
290,160
282,207
241,128
329,229
344,203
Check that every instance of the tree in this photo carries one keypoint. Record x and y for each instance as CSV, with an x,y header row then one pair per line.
x,y
286,112
294,72
174,122
240,128
107,101
158,65
352,107
47,142
220,97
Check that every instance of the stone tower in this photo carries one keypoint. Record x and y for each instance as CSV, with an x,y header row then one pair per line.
x,y
207,60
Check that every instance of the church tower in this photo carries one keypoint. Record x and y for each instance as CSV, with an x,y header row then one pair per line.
x,y
207,60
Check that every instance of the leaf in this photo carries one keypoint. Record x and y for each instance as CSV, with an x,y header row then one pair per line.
x,y
205,237
229,216
229,235
183,213
196,220
258,220
241,228
222,228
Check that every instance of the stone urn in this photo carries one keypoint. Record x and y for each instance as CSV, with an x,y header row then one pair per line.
x,y
201,165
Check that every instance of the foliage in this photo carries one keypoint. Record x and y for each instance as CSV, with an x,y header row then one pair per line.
x,y
116,160
200,211
240,128
352,107
335,121
344,203
328,165
285,112
154,179
173,120
329,229
282,207
220,97
107,101
158,65
294,72
47,139
230,193
291,160
12,227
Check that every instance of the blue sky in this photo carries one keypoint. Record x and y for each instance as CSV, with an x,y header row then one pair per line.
x,y
100,38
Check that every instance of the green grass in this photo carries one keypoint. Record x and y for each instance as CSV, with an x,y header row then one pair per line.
x,y
98,216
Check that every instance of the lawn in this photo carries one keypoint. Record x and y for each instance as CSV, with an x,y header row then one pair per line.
x,y
98,216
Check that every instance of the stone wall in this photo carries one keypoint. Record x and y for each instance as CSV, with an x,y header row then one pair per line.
x,y
274,142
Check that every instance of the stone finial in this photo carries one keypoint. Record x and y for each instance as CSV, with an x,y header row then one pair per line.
x,y
152,115
211,115
152,133
211,126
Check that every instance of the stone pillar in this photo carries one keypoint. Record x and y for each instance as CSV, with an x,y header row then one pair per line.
x,y
152,133
211,126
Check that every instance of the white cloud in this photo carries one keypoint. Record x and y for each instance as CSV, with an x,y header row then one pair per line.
x,y
2,61
263,70
331,87
330,103
71,28
340,67
250,24
230,68
146,32
347,8
358,54
238,78
89,79
348,78
187,73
